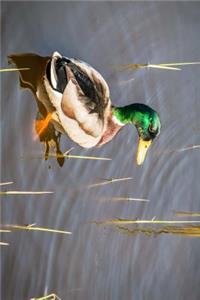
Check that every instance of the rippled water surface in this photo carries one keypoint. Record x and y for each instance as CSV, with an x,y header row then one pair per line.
x,y
103,262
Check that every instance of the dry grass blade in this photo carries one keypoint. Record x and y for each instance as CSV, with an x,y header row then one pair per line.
x,y
129,199
70,156
123,82
24,193
79,156
124,199
31,227
129,66
187,213
47,297
4,244
68,151
14,69
98,184
182,63
6,183
167,151
123,221
165,66
5,230
188,148
146,66
108,181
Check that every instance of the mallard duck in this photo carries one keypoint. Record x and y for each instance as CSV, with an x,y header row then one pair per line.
x,y
77,100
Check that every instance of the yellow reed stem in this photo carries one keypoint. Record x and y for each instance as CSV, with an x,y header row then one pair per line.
x,y
79,156
166,66
124,199
108,181
182,63
163,67
6,183
47,297
14,69
31,227
24,193
185,213
4,244
130,199
69,156
167,151
121,221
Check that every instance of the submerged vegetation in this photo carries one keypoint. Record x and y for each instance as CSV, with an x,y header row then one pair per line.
x,y
185,228
187,213
186,231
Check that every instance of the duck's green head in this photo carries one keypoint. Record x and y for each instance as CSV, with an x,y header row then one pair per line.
x,y
146,121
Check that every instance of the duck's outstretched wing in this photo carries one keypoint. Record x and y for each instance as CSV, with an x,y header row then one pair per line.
x,y
84,96
93,89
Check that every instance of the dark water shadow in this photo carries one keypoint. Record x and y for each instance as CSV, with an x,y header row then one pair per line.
x,y
33,80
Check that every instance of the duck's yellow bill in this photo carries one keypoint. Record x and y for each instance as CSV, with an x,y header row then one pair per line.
x,y
143,146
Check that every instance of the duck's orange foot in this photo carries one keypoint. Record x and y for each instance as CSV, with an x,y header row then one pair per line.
x,y
41,125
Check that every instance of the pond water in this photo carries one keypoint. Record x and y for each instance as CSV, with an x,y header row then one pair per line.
x,y
103,262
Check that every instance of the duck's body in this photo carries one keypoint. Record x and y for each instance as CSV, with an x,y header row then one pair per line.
x,y
77,98
81,99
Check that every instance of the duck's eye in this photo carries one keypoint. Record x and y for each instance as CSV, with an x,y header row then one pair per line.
x,y
151,128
